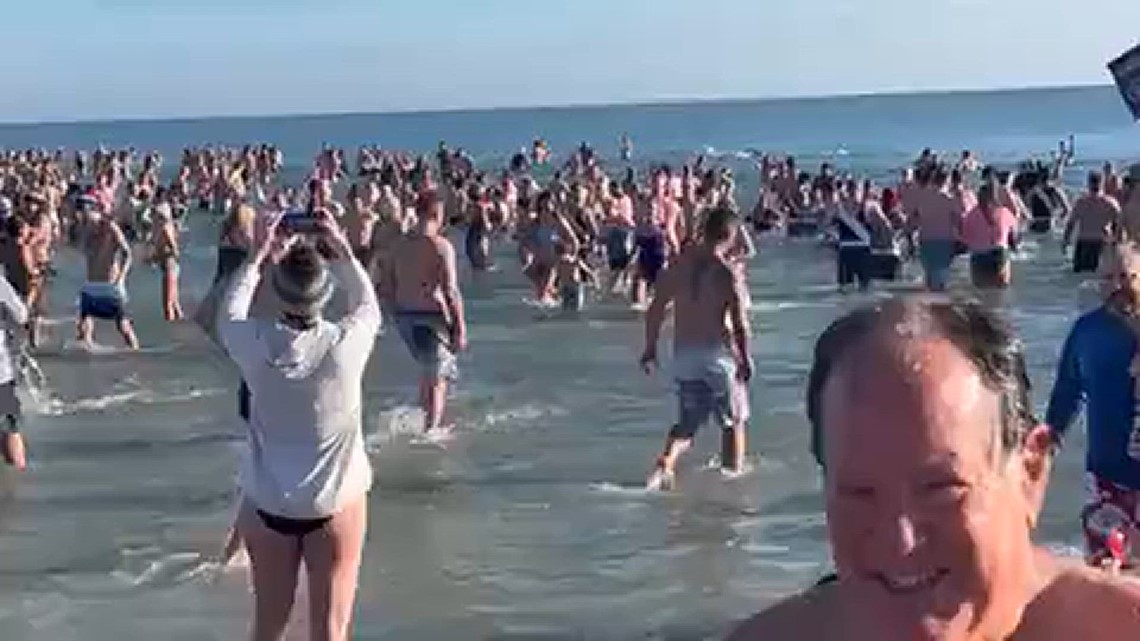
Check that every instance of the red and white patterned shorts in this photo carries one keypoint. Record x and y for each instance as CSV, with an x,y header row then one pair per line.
x,y
1111,507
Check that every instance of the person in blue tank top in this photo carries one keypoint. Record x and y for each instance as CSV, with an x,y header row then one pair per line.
x,y
1096,370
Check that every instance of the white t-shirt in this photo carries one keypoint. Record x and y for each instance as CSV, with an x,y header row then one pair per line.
x,y
306,457
18,313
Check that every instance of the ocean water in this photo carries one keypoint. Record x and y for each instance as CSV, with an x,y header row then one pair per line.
x,y
530,524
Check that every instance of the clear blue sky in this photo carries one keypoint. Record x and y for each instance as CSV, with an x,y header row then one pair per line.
x,y
82,59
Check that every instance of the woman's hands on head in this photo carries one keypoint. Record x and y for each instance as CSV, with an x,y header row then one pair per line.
x,y
272,240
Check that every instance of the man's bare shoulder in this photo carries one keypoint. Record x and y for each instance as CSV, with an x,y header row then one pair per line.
x,y
1080,602
804,617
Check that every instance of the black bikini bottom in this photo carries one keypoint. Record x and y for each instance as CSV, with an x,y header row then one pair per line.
x,y
285,526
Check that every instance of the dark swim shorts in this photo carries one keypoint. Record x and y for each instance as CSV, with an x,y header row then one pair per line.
x,y
425,333
102,300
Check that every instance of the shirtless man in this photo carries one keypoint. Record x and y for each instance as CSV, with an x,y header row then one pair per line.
x,y
1130,214
1095,219
712,363
937,215
422,285
104,295
936,473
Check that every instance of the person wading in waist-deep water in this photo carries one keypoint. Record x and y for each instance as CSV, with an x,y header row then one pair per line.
x,y
988,231
306,474
712,363
853,259
1047,203
1095,220
937,216
1100,367
427,306
935,472
1130,204
104,295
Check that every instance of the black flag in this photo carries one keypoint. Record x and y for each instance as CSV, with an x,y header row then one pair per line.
x,y
1126,71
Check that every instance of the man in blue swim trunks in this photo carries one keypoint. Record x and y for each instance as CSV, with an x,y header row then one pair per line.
x,y
427,304
711,354
104,295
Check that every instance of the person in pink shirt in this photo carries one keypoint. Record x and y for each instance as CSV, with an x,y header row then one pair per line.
x,y
987,231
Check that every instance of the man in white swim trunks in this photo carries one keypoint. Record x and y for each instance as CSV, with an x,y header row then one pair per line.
x,y
104,295
712,363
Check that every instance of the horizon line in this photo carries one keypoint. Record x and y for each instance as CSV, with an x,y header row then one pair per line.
x,y
679,101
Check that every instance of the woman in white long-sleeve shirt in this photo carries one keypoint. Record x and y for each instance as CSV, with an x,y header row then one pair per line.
x,y
12,444
306,474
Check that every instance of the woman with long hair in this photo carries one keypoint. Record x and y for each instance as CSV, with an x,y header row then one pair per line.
x,y
989,230
305,476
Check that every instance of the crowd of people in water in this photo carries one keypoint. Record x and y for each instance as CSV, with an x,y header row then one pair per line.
x,y
928,520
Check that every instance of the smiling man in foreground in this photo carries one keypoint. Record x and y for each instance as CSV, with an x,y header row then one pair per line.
x,y
935,473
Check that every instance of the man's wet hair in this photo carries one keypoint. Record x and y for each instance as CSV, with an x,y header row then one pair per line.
x,y
719,222
978,332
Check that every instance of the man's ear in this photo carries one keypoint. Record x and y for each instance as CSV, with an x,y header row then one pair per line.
x,y
1036,461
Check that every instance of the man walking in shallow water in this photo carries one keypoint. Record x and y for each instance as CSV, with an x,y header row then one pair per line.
x,y
423,288
711,360
104,295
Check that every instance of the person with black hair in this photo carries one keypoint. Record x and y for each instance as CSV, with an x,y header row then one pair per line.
x,y
1047,204
989,231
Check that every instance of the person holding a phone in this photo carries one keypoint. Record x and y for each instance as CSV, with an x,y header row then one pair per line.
x,y
306,475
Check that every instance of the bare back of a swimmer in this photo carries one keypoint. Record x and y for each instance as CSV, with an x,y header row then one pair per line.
x,y
704,289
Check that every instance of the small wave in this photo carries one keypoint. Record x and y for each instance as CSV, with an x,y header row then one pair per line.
x,y
522,414
56,321
621,490
438,438
59,407
55,406
403,420
539,304
73,349
1065,551
178,567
